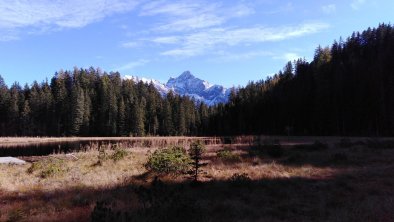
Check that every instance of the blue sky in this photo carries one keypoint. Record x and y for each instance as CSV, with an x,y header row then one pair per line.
x,y
224,42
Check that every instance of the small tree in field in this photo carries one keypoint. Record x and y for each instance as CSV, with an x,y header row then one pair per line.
x,y
195,152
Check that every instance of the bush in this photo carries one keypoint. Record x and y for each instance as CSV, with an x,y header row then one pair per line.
x,y
34,167
119,154
16,215
169,161
227,155
47,168
51,170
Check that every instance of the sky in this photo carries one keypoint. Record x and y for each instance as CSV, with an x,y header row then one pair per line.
x,y
229,42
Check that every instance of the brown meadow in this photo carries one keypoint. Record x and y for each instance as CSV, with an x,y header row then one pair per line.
x,y
331,180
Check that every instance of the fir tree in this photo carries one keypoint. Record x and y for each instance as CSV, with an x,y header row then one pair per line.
x,y
77,109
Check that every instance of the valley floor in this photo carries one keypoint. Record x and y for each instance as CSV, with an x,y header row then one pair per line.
x,y
330,181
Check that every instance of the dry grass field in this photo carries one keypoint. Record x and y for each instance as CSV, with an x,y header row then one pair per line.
x,y
348,180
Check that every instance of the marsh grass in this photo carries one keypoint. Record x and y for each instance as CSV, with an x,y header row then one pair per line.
x,y
228,156
267,147
48,168
312,187
118,154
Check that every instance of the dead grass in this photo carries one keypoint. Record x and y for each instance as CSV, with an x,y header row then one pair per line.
x,y
80,172
301,185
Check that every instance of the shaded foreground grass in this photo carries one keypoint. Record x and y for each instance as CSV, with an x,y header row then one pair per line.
x,y
354,183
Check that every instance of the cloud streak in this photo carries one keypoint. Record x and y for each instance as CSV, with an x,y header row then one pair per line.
x,y
225,56
289,56
181,16
357,4
48,15
329,9
195,44
132,65
129,45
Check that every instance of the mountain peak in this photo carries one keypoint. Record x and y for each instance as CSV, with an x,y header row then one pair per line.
x,y
189,85
186,75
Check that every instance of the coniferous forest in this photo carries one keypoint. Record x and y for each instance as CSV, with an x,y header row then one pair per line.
x,y
347,89
88,102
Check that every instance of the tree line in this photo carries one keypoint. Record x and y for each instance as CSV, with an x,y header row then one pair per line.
x,y
347,89
88,102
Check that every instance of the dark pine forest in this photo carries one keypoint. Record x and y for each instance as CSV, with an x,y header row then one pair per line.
x,y
347,89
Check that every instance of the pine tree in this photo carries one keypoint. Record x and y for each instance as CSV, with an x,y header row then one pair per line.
x,y
47,108
103,105
167,126
61,109
181,120
77,109
13,110
86,114
26,119
138,118
121,118
196,151
4,101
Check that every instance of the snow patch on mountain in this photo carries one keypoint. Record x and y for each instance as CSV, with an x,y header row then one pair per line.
x,y
188,85
163,90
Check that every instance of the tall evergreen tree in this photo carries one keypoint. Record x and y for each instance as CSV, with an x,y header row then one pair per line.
x,y
121,118
4,101
77,109
138,118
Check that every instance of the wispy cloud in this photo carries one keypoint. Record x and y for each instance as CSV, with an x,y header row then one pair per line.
x,y
288,7
357,4
175,8
198,43
180,16
129,44
48,15
289,56
225,56
191,23
132,65
166,40
240,11
329,9
8,35
191,28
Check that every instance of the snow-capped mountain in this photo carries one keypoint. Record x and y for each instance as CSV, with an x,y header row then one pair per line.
x,y
187,84
163,89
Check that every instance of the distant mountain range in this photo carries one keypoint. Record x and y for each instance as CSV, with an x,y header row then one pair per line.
x,y
188,85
